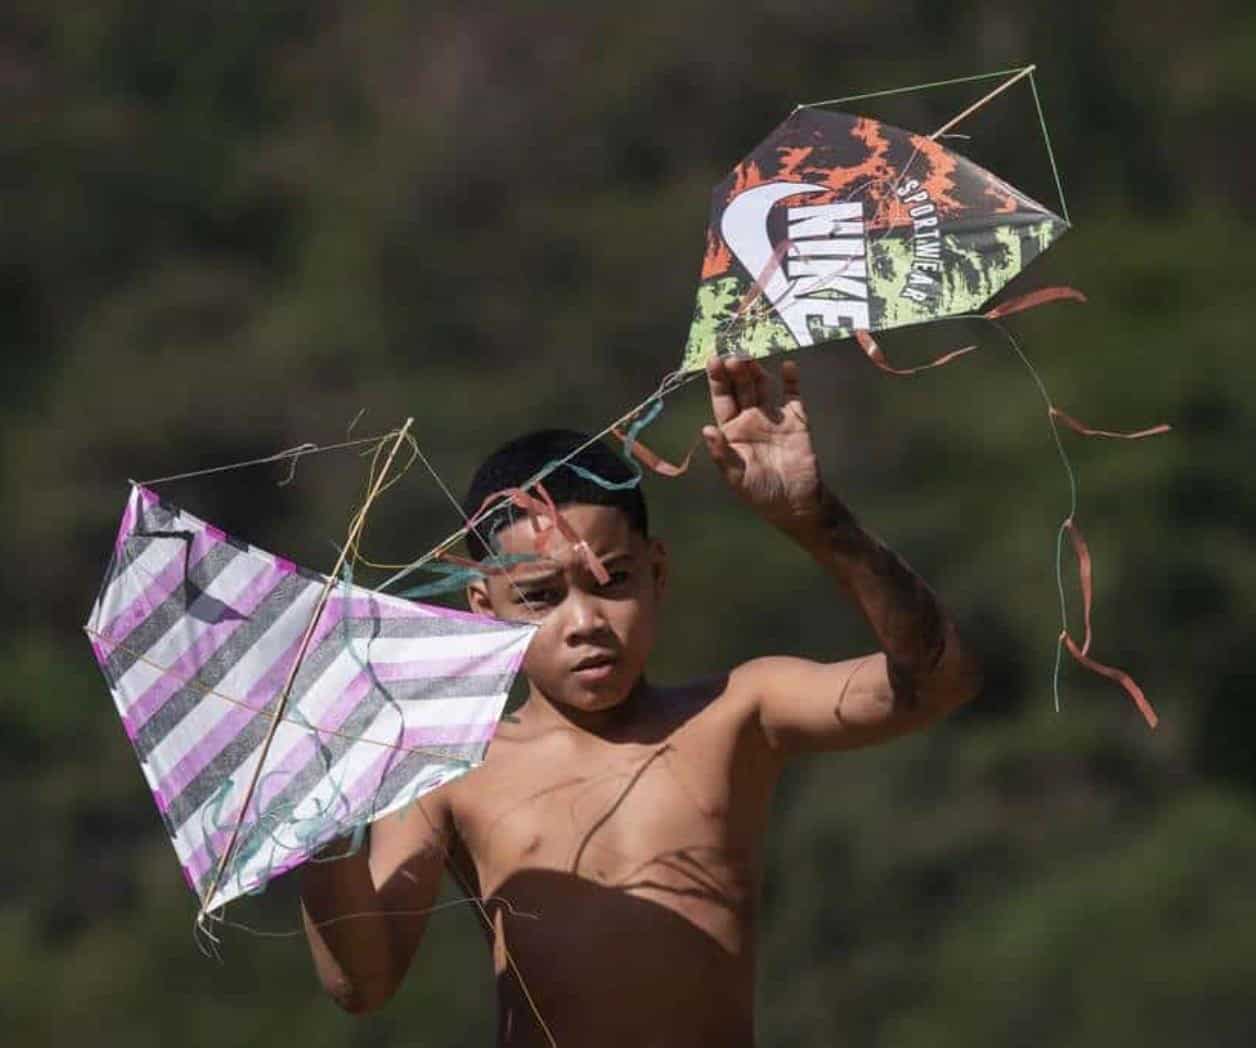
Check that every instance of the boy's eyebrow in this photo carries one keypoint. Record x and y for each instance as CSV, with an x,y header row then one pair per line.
x,y
532,580
555,573
615,558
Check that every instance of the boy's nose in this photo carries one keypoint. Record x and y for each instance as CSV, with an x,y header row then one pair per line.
x,y
584,615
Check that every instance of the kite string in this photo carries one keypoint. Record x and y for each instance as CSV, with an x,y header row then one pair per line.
x,y
1046,138
427,911
355,529
906,90
1072,508
669,384
674,380
294,453
1069,526
470,524
1069,472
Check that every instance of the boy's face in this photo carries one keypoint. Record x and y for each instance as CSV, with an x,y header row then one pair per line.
x,y
593,639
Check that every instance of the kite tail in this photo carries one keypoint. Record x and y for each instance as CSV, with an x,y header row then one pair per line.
x,y
1086,576
1056,417
874,352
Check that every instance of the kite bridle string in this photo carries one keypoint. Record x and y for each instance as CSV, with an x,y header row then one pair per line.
x,y
355,530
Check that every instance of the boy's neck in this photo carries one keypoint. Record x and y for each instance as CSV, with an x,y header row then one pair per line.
x,y
603,724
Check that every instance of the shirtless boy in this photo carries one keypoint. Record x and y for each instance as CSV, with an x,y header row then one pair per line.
x,y
614,831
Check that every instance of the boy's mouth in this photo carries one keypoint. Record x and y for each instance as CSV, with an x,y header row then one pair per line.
x,y
595,668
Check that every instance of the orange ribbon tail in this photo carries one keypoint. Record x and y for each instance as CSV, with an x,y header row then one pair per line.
x,y
1120,676
874,353
1087,431
652,461
1085,573
1034,298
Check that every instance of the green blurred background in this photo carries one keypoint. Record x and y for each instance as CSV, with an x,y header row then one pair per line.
x,y
227,229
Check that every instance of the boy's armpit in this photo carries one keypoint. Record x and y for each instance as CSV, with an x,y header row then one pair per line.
x,y
408,850
418,833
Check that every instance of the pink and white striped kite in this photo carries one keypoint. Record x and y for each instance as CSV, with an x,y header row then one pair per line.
x,y
197,633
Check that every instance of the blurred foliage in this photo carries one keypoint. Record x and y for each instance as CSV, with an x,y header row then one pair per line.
x,y
230,228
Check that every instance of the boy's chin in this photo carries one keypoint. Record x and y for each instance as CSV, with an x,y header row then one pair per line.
x,y
595,699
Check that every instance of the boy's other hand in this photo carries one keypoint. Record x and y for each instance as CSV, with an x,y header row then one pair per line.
x,y
761,443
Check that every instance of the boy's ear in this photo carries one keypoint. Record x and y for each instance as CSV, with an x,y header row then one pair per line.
x,y
658,565
478,599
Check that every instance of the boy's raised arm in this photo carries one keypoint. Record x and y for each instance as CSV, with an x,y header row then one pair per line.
x,y
364,914
924,668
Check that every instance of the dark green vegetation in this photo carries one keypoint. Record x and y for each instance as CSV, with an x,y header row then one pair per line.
x,y
225,234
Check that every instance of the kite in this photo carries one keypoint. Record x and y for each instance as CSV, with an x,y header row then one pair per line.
x,y
274,709
838,224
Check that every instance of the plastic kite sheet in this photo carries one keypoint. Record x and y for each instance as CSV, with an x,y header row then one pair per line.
x,y
197,634
836,224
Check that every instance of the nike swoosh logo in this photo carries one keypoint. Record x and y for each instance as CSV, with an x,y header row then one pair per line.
x,y
744,227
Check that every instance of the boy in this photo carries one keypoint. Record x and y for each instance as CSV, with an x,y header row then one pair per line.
x,y
614,830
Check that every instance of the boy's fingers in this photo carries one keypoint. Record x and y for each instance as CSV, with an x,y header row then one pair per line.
x,y
722,453
789,380
723,399
747,381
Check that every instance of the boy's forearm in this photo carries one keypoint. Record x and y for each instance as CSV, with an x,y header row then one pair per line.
x,y
927,659
348,935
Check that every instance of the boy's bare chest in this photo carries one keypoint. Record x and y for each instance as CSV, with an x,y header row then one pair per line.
x,y
674,819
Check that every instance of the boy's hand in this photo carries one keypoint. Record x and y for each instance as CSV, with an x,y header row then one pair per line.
x,y
762,446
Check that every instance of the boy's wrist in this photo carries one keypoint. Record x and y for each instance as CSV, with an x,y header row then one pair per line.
x,y
828,531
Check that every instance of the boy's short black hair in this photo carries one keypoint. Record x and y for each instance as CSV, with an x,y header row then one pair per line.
x,y
519,460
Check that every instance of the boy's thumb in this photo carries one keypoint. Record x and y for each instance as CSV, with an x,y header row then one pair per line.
x,y
717,445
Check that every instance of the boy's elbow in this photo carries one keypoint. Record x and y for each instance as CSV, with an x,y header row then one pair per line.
x,y
363,996
957,675
964,681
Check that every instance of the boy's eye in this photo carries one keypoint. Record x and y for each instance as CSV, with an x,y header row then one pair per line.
x,y
549,595
617,578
